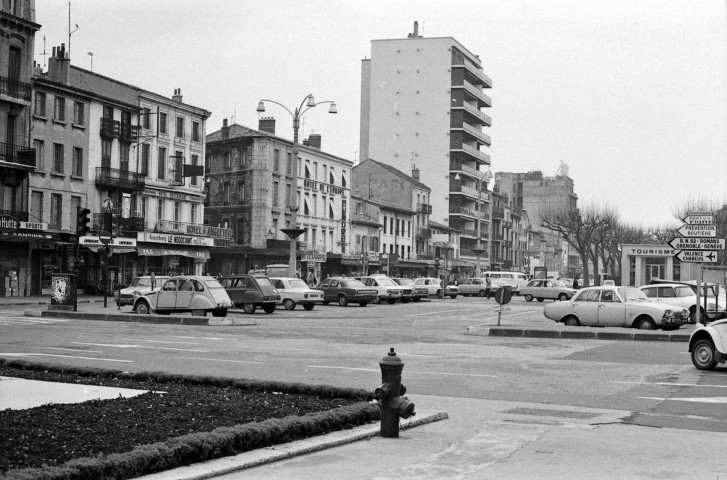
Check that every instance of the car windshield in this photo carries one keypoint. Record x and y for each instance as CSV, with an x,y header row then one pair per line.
x,y
386,282
141,282
352,282
405,281
297,283
264,282
212,283
631,294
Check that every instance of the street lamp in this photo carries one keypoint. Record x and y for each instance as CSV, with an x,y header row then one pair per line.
x,y
293,232
479,250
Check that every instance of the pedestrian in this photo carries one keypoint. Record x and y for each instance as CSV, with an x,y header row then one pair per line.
x,y
488,285
575,284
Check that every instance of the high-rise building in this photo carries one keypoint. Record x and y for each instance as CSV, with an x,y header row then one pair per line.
x,y
421,101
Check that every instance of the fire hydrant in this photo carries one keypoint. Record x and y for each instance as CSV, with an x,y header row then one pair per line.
x,y
389,396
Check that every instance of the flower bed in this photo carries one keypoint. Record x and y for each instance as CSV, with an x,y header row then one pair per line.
x,y
178,421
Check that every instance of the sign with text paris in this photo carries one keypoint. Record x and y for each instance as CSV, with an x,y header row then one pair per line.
x,y
698,219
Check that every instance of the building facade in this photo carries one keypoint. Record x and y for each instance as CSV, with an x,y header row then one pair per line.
x,y
421,101
19,231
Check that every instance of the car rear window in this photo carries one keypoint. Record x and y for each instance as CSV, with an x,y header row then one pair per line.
x,y
212,283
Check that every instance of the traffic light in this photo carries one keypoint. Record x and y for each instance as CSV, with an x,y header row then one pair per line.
x,y
107,251
82,221
436,263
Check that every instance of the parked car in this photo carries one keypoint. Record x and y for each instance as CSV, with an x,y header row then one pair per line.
x,y
684,295
186,293
417,292
434,287
616,306
294,291
138,286
514,280
474,286
708,345
251,292
346,290
387,289
542,289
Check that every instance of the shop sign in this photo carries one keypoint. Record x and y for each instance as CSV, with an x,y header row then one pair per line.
x,y
313,257
9,223
175,239
94,241
34,225
649,251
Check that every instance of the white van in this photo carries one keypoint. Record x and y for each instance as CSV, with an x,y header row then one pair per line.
x,y
514,280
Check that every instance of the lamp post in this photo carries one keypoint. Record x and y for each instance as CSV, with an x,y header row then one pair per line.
x,y
293,232
479,250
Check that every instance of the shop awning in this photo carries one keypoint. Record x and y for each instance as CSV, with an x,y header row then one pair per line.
x,y
198,253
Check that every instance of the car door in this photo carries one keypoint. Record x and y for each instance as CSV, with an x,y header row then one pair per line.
x,y
236,290
331,291
611,311
585,306
185,290
167,296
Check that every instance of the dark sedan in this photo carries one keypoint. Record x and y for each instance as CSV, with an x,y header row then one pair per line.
x,y
251,292
346,290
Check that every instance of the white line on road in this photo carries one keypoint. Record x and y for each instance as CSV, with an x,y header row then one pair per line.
x,y
504,316
408,371
68,349
63,356
220,360
691,399
206,338
140,346
441,311
157,341
668,384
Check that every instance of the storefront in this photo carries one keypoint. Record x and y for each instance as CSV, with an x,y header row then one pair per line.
x,y
172,254
29,255
642,263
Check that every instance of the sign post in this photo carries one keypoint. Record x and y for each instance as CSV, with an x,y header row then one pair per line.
x,y
503,295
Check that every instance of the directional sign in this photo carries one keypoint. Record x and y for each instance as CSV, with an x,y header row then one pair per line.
x,y
697,256
698,230
699,219
697,243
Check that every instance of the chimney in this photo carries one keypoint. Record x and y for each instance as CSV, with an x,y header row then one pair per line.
x,y
37,69
416,31
415,173
267,124
314,140
306,142
177,97
225,130
58,65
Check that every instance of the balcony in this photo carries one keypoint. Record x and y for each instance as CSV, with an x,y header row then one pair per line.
x,y
423,232
365,219
463,252
128,133
498,237
116,178
473,152
135,222
19,155
484,195
474,70
15,90
472,172
170,226
110,128
475,93
478,135
498,212
424,208
20,215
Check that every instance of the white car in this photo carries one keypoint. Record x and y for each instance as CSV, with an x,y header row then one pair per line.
x,y
294,291
386,288
434,287
139,286
708,345
684,295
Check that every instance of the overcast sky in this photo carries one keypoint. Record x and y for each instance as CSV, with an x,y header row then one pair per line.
x,y
630,94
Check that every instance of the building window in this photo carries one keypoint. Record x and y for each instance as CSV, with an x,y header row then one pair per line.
x,y
77,167
195,161
241,192
106,153
193,213
124,150
385,222
276,188
160,210
143,207
145,155
196,131
161,163
39,146
276,160
343,180
36,206
59,109
58,158
145,118
331,178
228,161
40,104
78,113
180,127
108,112
56,209
162,122
289,164
75,205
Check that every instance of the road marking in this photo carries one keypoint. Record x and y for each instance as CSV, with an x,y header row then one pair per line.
x,y
139,346
220,360
159,341
673,384
441,311
206,338
68,349
691,399
504,316
63,356
408,371
29,320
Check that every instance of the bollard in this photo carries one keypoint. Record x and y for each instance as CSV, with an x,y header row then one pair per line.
x,y
389,395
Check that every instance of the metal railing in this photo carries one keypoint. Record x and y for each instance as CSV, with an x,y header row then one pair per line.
x,y
21,155
478,134
423,232
15,89
474,69
170,226
18,214
486,119
478,154
110,128
424,208
114,177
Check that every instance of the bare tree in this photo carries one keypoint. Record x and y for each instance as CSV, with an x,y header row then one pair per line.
x,y
605,221
569,222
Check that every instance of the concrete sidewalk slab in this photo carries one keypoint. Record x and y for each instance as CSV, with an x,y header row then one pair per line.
x,y
116,316
579,333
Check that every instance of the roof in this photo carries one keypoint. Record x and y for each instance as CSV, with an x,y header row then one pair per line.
x,y
397,172
440,226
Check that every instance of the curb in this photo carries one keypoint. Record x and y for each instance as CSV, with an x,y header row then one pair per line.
x,y
262,456
135,318
576,334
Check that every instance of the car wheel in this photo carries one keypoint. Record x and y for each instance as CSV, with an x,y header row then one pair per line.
x,y
528,298
453,297
703,356
572,321
343,301
562,297
326,302
363,304
405,300
540,299
693,316
416,299
142,308
269,308
647,324
199,313
308,306
438,294
391,301
377,300
248,308
221,312
481,293
289,304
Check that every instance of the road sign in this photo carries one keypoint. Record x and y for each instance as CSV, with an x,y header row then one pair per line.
x,y
698,230
699,219
503,295
697,243
501,308
104,237
697,256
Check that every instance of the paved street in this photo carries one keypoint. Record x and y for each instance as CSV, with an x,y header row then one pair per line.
x,y
632,383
